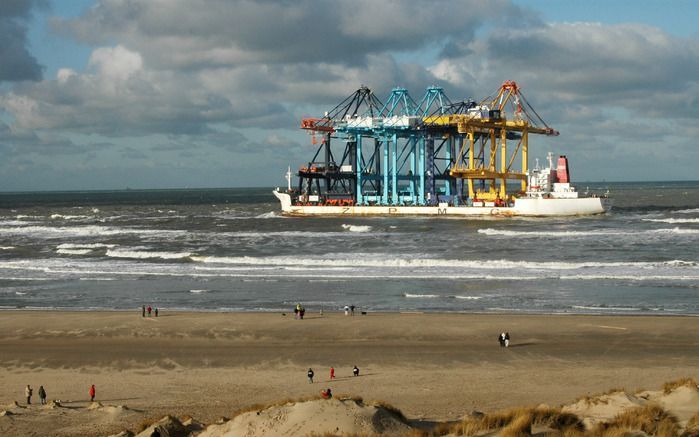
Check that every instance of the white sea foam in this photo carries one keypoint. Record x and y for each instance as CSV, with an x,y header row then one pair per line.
x,y
139,254
356,228
566,234
7,247
20,293
605,308
673,220
84,246
687,211
267,215
69,217
469,297
386,260
82,231
73,251
420,296
198,291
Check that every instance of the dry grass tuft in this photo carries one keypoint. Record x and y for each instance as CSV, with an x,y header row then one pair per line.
x,y
668,387
390,408
595,398
145,423
693,422
520,420
519,427
650,419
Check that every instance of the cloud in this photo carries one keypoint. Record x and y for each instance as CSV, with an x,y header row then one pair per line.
x,y
17,62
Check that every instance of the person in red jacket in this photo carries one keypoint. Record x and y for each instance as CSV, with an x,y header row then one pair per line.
x,y
92,392
332,373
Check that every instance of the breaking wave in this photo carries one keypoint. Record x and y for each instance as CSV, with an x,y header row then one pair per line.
x,y
566,234
139,254
356,228
673,220
420,296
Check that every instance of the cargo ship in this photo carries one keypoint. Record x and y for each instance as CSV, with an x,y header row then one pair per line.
x,y
432,158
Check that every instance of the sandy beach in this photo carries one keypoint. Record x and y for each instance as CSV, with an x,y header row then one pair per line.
x,y
431,366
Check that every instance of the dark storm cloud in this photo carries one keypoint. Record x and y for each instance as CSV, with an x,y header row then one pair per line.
x,y
16,62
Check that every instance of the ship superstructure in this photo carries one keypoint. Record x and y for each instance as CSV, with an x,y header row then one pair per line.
x,y
430,156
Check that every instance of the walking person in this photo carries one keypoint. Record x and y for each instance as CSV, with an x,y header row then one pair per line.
x,y
91,392
310,375
143,311
28,392
355,371
156,312
352,309
149,310
507,339
501,339
332,373
346,310
42,395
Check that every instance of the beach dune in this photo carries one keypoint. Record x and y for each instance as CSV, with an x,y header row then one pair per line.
x,y
434,367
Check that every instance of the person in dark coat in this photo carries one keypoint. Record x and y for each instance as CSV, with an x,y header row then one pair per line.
x,y
156,312
143,311
355,371
42,395
507,339
501,339
310,375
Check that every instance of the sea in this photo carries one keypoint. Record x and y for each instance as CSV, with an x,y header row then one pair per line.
x,y
231,250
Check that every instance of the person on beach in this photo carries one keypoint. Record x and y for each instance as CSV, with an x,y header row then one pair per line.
x,y
28,392
297,311
143,311
501,339
352,309
326,394
42,395
91,392
156,312
507,339
355,371
346,310
302,311
332,373
310,375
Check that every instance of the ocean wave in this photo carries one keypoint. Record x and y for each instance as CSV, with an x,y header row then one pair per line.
x,y
268,215
385,260
199,291
138,254
566,234
7,247
687,211
73,251
468,297
673,220
420,296
83,231
605,308
356,228
70,217
84,246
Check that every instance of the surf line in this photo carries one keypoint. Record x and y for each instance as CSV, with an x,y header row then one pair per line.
x,y
611,327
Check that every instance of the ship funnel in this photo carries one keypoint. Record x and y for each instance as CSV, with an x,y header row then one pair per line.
x,y
562,173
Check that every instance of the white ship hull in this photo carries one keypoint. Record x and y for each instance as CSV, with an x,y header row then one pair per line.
x,y
523,207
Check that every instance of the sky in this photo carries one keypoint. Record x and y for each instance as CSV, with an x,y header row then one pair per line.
x,y
114,94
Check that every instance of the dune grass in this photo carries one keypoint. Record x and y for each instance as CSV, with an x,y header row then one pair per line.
x,y
668,387
519,421
650,419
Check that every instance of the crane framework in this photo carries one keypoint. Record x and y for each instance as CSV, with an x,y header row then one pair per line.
x,y
404,152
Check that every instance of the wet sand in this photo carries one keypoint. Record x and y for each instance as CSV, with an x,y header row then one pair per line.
x,y
431,366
